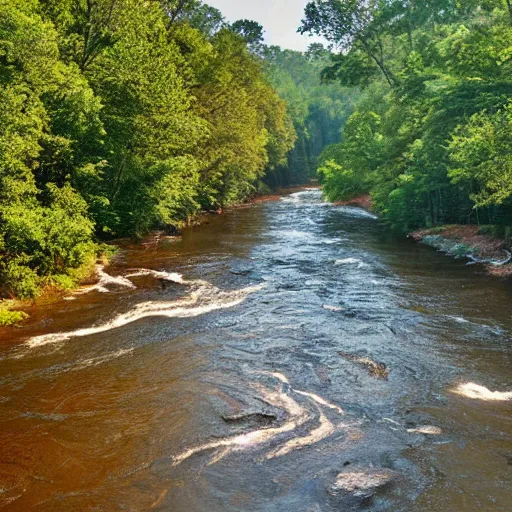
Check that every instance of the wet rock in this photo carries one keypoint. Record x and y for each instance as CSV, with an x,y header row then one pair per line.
x,y
263,418
362,483
374,368
240,272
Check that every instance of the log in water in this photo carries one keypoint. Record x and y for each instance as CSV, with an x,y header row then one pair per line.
x,y
291,356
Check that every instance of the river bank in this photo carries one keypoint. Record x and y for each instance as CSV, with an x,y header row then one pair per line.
x,y
472,242
365,202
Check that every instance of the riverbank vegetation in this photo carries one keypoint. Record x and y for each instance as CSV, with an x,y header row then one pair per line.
x,y
121,116
430,136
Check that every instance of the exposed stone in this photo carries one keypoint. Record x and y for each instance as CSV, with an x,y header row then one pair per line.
x,y
254,418
361,484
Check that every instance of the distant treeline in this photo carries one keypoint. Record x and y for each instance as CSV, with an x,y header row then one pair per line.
x,y
431,135
120,116
318,109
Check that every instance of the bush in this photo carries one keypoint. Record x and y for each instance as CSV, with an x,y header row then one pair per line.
x,y
46,244
63,282
341,184
20,280
8,317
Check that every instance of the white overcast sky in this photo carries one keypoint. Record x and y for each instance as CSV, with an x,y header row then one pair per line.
x,y
280,19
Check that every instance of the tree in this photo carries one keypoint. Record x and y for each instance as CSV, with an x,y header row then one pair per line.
x,y
350,24
251,31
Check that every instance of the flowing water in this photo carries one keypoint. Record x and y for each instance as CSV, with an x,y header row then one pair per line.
x,y
288,356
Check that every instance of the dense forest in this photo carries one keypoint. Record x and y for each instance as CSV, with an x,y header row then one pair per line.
x,y
431,134
120,116
318,108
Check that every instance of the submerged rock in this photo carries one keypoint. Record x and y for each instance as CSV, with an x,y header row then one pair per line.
x,y
374,368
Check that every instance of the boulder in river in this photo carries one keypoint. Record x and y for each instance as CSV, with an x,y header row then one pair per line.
x,y
361,483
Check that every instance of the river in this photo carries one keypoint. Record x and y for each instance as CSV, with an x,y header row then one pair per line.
x,y
288,356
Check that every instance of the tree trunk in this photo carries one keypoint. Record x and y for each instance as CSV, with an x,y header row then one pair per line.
x,y
380,63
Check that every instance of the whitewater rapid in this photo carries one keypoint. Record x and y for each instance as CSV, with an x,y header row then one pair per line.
x,y
296,415
203,298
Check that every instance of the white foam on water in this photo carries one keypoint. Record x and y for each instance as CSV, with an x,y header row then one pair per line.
x,y
332,308
161,274
428,430
297,416
95,361
324,430
458,319
477,392
277,375
354,211
295,234
297,196
422,429
347,261
105,280
321,401
204,299
389,420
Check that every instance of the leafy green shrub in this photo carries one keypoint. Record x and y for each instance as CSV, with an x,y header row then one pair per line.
x,y
340,184
19,279
63,282
8,317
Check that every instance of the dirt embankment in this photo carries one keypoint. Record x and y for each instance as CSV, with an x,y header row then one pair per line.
x,y
364,202
470,242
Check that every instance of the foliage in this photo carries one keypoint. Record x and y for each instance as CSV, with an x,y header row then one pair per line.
x,y
9,317
318,109
430,135
119,116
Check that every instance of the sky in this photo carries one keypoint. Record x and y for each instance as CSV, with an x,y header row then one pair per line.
x,y
280,19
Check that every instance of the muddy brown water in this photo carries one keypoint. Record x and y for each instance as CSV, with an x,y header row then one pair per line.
x,y
247,384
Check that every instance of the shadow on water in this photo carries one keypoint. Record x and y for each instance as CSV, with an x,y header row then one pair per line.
x,y
291,356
